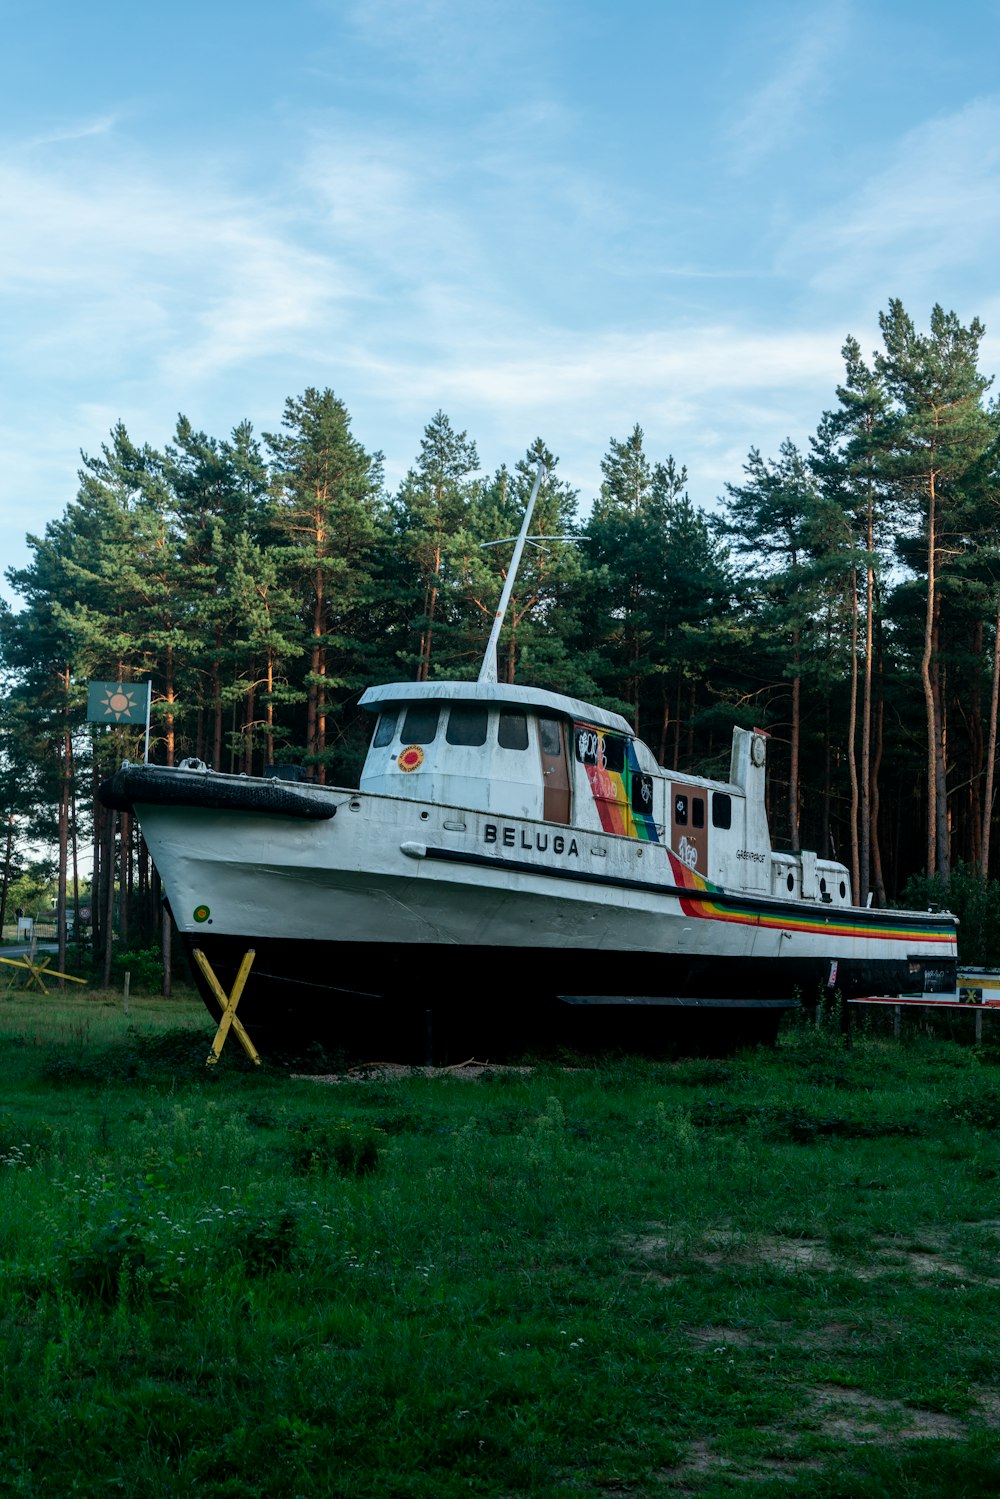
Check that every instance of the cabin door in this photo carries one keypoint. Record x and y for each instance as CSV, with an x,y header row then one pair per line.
x,y
555,769
689,835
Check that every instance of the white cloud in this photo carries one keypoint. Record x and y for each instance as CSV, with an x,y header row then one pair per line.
x,y
931,211
102,125
115,266
455,49
769,119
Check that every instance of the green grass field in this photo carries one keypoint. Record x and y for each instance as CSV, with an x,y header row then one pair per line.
x,y
768,1275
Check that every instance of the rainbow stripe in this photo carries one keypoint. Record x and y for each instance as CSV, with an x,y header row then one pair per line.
x,y
612,793
880,927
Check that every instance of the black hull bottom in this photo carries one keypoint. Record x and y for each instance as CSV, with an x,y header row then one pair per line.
x,y
417,1003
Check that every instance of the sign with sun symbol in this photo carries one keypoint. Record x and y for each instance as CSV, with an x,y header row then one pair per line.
x,y
116,702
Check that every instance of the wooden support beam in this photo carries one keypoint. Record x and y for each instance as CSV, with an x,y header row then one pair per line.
x,y
228,1002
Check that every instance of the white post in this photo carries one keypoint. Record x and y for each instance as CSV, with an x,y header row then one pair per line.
x,y
128,982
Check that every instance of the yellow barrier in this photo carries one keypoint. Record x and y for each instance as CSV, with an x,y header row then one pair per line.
x,y
35,971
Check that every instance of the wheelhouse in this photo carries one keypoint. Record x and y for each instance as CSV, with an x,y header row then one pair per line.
x,y
520,752
513,751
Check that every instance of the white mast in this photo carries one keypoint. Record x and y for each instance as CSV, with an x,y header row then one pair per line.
x,y
488,670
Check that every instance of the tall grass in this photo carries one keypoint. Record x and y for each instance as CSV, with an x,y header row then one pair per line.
x,y
619,1278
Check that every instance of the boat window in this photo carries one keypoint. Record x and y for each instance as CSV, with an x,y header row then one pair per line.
x,y
467,726
722,810
614,753
420,724
588,745
642,793
513,730
681,811
606,751
385,730
697,812
550,735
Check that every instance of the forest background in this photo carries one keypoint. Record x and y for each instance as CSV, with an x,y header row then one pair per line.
x,y
845,598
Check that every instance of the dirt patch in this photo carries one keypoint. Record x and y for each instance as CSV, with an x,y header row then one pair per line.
x,y
828,1336
846,1416
394,1071
922,1262
702,1462
853,1416
989,1408
723,1247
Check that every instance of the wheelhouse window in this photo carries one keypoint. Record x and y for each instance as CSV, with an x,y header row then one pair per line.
x,y
605,751
588,746
681,811
420,724
722,810
614,753
697,811
385,730
550,736
467,726
512,731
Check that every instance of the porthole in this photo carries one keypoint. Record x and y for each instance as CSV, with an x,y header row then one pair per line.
x,y
791,880
843,891
424,816
822,887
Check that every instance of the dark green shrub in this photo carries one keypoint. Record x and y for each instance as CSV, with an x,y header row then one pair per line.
x,y
145,964
107,1259
980,1108
976,903
352,1149
265,1242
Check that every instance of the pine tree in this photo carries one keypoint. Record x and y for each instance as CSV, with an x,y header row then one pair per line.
x,y
325,514
784,528
431,510
654,589
935,431
540,621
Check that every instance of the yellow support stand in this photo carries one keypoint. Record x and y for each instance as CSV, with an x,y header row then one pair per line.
x,y
36,969
228,1003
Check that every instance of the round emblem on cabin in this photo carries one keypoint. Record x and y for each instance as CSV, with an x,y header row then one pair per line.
x,y
201,913
757,750
411,758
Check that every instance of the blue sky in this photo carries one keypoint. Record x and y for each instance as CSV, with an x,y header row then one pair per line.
x,y
551,218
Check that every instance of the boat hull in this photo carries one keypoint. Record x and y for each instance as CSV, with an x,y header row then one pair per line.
x,y
425,1004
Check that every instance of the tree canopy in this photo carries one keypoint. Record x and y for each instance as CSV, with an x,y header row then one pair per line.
x,y
844,597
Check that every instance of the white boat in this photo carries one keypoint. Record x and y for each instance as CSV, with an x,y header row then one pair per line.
x,y
515,868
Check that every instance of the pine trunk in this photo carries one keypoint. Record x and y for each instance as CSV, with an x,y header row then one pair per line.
x,y
867,790
928,686
793,766
991,752
5,877
852,731
109,896
217,701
